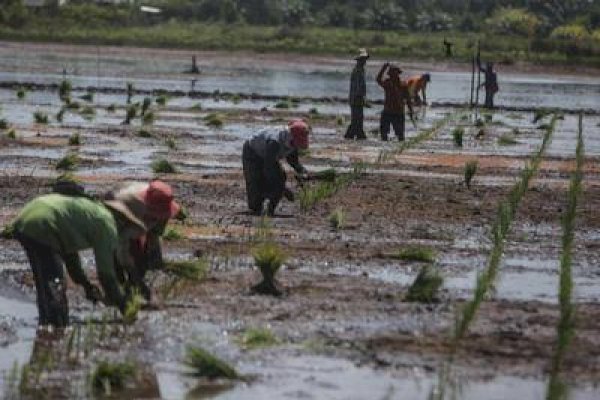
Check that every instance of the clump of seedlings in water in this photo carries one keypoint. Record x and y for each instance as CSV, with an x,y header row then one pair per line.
x,y
507,140
89,97
132,308
171,144
40,117
88,112
457,136
214,120
129,92
470,171
194,270
283,104
426,285
327,175
72,105
207,365
11,134
68,162
161,100
144,133
130,115
75,139
21,93
196,107
269,258
64,90
182,214
148,118
337,219
172,233
163,166
254,338
311,195
416,253
3,124
109,377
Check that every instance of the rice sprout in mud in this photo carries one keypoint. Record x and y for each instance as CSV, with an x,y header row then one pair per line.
x,y
11,134
21,92
214,120
110,377
425,287
132,307
206,365
310,195
470,171
457,136
163,166
507,140
172,233
8,232
75,139
143,133
68,162
268,257
337,219
565,328
254,338
194,270
500,228
161,100
148,118
171,143
416,253
40,117
64,90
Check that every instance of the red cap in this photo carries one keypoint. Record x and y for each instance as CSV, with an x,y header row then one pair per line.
x,y
158,198
299,130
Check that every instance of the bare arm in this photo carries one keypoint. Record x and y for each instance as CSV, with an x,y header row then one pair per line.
x,y
380,74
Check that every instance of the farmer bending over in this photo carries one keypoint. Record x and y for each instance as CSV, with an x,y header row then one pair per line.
x,y
396,94
418,84
264,175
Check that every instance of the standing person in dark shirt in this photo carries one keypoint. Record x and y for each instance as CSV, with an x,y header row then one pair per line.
x,y
490,84
356,98
396,95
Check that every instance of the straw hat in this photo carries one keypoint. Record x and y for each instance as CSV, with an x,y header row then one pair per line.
x,y
362,53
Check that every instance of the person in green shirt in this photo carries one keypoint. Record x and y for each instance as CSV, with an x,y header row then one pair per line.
x,y
53,228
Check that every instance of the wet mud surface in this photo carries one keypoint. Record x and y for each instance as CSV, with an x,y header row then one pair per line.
x,y
344,330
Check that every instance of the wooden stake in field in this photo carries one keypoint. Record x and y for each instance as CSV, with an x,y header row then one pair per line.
x,y
478,74
472,80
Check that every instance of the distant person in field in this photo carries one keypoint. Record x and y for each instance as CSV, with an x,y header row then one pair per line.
x,y
357,97
448,46
490,84
418,85
263,173
396,96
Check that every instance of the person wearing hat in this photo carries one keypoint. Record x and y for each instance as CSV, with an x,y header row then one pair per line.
x,y
263,173
53,228
396,95
357,97
153,203
418,84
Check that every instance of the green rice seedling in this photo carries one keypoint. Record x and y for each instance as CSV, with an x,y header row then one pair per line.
x,y
479,123
8,232
3,124
75,139
25,379
327,175
132,307
64,90
144,133
340,121
195,270
457,136
89,97
68,162
109,377
148,118
313,111
40,117
283,105
72,105
254,338
130,115
60,114
416,253
21,93
172,233
146,105
130,90
269,258
67,177
162,166
111,108
426,285
171,144
207,365
161,100
87,112
470,171
11,134
337,219
196,107
182,214
507,140
214,120
236,99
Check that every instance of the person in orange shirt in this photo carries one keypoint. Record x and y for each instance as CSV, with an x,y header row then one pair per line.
x,y
418,84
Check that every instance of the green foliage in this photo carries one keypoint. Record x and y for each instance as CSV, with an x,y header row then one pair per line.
x,y
148,118
254,338
425,287
68,162
457,136
172,233
479,123
11,134
75,139
570,32
144,133
283,104
64,90
514,21
327,175
88,112
132,307
131,114
416,253
194,270
40,117
8,232
337,219
146,105
162,166
161,100
171,144
268,257
309,196
72,104
109,377
470,171
196,107
507,139
182,214
21,93
214,120
206,365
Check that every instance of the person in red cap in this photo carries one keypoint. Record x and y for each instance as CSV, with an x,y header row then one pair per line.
x,y
263,173
153,203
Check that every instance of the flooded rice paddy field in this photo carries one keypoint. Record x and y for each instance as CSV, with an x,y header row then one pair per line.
x,y
343,329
